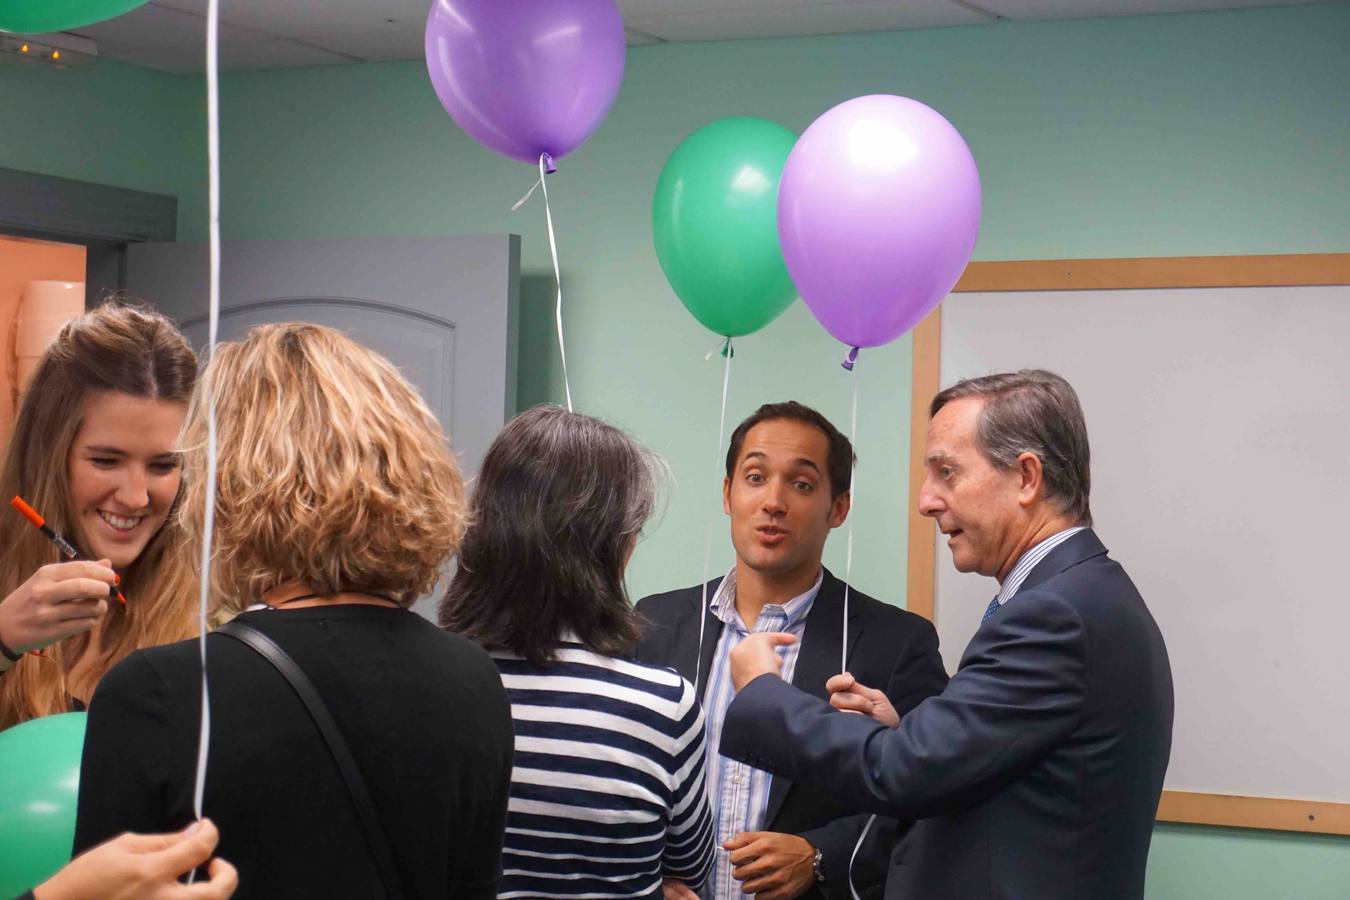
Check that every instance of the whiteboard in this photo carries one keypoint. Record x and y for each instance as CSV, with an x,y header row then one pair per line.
x,y
1219,422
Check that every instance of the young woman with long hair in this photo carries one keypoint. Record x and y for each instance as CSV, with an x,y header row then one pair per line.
x,y
94,452
338,504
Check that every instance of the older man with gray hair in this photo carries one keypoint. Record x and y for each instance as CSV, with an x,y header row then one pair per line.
x,y
1037,772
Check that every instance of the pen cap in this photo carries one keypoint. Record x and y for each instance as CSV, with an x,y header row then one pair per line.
x,y
28,512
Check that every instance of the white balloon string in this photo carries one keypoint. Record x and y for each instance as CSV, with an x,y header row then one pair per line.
x,y
557,275
728,352
853,891
528,194
209,492
853,495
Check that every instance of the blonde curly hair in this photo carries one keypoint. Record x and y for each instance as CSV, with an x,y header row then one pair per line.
x,y
332,471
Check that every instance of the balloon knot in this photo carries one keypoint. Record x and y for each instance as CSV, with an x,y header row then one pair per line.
x,y
728,350
850,359
549,165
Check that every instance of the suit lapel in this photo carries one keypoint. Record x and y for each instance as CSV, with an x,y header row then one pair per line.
x,y
818,660
712,633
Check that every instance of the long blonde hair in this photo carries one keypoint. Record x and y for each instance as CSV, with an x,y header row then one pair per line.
x,y
332,471
112,348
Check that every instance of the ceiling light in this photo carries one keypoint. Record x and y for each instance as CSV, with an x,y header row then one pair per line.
x,y
66,51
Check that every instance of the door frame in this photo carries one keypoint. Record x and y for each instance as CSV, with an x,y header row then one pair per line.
x,y
100,217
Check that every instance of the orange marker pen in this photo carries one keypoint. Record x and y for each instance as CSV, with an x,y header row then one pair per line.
x,y
67,550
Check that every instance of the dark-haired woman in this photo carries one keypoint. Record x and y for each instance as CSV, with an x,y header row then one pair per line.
x,y
607,790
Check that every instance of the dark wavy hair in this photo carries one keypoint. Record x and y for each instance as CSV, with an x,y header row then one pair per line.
x,y
558,503
838,463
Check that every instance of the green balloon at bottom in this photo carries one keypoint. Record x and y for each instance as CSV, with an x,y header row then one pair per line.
x,y
41,16
715,224
39,786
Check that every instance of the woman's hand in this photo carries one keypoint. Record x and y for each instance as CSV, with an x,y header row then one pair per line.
x,y
58,601
144,867
673,889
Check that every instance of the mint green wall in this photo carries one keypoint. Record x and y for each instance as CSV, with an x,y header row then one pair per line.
x,y
1165,135
1222,133
1173,135
1200,134
113,124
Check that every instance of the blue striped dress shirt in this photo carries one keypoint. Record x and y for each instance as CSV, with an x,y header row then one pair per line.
x,y
607,790
740,793
1028,561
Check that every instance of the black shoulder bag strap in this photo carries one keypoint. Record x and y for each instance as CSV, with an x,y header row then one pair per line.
x,y
337,745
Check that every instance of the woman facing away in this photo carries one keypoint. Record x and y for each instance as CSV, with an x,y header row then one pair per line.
x,y
607,793
94,452
337,504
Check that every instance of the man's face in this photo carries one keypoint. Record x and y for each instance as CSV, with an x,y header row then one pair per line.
x,y
778,497
976,504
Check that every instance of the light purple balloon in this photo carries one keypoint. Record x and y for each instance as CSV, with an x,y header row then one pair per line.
x,y
878,210
526,77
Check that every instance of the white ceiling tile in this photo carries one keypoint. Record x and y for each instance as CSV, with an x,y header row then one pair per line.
x,y
157,26
306,18
406,41
277,54
805,19
176,60
635,38
659,7
271,54
168,34
402,41
1033,10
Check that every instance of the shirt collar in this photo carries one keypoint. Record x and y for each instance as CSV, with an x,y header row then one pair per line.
x,y
723,603
1027,561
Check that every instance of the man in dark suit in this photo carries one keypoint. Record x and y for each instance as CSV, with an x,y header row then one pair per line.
x,y
786,488
1036,773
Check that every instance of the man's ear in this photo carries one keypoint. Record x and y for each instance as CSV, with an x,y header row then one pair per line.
x,y
1030,478
726,495
839,508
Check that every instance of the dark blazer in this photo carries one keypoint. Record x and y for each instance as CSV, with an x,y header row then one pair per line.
x,y
1035,774
889,648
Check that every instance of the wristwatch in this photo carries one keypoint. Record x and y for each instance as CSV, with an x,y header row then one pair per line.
x,y
817,866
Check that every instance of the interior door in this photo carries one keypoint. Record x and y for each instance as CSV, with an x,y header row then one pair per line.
x,y
443,309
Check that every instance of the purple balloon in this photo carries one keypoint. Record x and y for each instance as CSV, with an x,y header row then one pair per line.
x,y
878,210
526,78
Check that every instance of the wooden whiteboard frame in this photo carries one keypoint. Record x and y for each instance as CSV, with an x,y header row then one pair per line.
x,y
1117,274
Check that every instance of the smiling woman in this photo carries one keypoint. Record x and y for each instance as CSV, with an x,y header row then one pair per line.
x,y
124,474
94,449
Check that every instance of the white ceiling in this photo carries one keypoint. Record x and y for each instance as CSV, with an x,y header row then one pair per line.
x,y
275,34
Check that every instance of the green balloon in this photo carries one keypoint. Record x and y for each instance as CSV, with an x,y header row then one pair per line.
x,y
39,785
42,16
715,224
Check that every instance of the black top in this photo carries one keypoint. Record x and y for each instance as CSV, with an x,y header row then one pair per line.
x,y
423,711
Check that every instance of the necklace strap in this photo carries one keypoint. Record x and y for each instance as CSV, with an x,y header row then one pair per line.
x,y
383,597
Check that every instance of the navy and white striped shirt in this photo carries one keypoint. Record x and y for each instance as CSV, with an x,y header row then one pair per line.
x,y
607,792
1027,561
